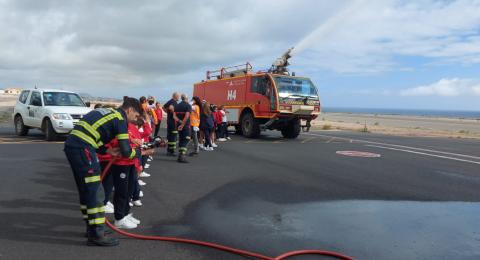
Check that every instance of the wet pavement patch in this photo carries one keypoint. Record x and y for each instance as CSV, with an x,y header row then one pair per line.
x,y
365,229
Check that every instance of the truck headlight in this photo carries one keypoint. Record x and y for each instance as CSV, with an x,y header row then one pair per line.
x,y
61,116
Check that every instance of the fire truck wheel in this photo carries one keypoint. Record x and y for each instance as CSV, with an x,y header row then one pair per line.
x,y
250,126
292,130
238,130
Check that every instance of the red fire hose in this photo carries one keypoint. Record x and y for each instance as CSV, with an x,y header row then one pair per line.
x,y
221,247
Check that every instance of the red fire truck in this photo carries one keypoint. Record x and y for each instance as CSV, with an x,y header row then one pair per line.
x,y
256,101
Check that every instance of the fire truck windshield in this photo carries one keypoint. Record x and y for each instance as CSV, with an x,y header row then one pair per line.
x,y
295,87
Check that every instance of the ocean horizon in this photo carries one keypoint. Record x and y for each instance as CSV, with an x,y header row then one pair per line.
x,y
405,112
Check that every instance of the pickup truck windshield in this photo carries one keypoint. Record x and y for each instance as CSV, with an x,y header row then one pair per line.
x,y
288,86
62,99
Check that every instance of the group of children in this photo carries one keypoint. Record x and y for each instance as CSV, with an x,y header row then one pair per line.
x,y
125,176
221,123
213,125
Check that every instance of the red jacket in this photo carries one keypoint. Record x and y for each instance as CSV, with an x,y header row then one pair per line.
x,y
217,115
147,131
133,134
159,113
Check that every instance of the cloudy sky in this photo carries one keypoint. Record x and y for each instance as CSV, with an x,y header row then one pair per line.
x,y
374,54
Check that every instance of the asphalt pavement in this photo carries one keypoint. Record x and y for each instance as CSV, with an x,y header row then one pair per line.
x,y
403,198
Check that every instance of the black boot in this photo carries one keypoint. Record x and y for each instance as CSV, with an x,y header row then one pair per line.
x,y
106,232
96,237
181,158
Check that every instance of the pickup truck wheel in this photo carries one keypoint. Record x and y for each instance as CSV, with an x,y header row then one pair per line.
x,y
250,126
292,130
50,134
20,128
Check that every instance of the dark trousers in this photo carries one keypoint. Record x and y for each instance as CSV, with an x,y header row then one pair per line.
x,y
184,139
218,130
107,182
133,186
171,136
121,197
143,160
86,172
224,130
208,141
157,128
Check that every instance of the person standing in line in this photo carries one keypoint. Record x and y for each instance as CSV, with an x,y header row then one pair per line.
x,y
172,132
151,112
195,124
122,171
213,133
223,125
182,112
207,124
159,112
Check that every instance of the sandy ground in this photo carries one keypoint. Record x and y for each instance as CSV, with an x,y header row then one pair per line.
x,y
374,123
400,125
7,102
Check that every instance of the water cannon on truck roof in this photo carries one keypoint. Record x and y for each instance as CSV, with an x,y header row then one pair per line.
x,y
280,65
263,100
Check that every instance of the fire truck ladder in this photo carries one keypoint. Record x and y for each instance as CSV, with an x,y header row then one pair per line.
x,y
229,72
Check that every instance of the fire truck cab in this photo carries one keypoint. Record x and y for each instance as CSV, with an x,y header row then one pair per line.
x,y
265,100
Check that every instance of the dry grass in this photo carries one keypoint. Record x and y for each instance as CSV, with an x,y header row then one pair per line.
x,y
326,127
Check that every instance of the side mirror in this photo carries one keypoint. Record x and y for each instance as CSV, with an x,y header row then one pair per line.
x,y
87,104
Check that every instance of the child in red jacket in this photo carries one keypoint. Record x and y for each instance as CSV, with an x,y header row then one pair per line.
x,y
123,173
146,132
135,191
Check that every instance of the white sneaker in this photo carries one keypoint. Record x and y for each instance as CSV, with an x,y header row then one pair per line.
x,y
203,148
209,149
142,183
125,223
135,221
144,174
222,139
109,208
140,194
137,203
214,145
147,166
150,158
130,204
228,138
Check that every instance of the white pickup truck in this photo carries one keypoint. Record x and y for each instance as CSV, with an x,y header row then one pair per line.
x,y
55,112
